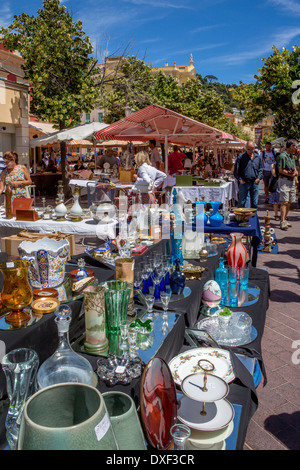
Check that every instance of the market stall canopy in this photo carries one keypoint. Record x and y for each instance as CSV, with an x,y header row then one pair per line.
x,y
163,125
44,127
82,132
119,143
80,143
279,141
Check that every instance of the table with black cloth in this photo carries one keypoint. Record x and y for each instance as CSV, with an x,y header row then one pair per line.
x,y
42,337
242,390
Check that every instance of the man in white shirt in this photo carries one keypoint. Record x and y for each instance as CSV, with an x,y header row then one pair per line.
x,y
268,158
154,155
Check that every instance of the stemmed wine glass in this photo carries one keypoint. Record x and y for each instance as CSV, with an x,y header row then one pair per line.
x,y
157,276
124,336
132,341
165,298
137,279
150,302
145,276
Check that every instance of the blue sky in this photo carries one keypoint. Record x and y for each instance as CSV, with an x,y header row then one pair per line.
x,y
227,38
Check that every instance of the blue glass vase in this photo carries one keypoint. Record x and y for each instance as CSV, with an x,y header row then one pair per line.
x,y
177,279
201,216
216,219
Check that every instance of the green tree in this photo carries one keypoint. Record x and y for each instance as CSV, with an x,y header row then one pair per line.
x,y
58,66
131,87
273,92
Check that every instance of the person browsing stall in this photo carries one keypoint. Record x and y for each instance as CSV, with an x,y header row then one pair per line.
x,y
268,159
175,160
248,170
16,176
286,182
148,178
154,155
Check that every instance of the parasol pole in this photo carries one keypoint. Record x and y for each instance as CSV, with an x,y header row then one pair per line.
x,y
194,154
166,155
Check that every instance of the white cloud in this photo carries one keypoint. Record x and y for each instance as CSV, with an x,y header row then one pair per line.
x,y
159,4
6,16
280,39
206,28
291,6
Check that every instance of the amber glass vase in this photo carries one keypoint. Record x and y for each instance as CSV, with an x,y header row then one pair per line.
x,y
16,292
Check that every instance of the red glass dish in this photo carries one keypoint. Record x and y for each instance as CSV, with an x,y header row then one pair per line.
x,y
158,403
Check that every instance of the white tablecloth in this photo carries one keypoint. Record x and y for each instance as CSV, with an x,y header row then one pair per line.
x,y
82,184
83,228
227,190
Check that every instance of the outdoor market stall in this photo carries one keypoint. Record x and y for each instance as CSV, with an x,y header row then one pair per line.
x,y
164,126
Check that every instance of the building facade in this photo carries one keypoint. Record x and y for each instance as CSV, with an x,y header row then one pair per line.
x,y
182,73
14,106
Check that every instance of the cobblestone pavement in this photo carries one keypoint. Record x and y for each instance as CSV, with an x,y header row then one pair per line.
x,y
276,423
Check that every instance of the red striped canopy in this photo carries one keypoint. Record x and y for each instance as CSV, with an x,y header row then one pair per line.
x,y
162,124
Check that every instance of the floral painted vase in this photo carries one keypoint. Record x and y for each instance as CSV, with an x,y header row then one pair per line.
x,y
95,324
48,258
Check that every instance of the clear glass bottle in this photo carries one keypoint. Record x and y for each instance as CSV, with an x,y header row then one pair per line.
x,y
226,212
64,365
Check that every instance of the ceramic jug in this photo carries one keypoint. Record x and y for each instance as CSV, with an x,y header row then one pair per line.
x,y
68,416
125,421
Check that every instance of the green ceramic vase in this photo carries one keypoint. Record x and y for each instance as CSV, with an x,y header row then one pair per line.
x,y
125,421
68,416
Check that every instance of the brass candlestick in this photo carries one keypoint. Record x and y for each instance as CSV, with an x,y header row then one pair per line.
x,y
267,235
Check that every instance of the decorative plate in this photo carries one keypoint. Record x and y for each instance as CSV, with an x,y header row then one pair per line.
x,y
193,385
46,292
158,403
218,414
43,306
187,363
207,439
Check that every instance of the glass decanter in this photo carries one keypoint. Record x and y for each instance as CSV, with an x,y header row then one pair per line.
x,y
177,279
64,365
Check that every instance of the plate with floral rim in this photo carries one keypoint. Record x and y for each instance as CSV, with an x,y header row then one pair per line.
x,y
186,363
